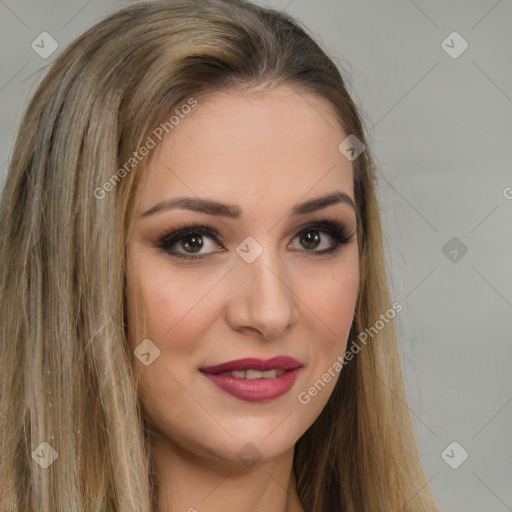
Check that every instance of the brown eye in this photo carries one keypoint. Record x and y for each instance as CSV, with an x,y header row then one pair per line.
x,y
317,234
311,240
188,242
194,242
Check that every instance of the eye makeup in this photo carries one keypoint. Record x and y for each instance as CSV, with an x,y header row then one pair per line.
x,y
191,236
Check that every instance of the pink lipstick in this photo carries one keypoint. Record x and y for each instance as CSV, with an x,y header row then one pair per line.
x,y
255,380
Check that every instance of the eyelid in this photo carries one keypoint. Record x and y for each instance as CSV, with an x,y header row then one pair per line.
x,y
335,228
188,228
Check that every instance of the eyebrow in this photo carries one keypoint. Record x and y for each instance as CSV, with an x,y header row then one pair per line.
x,y
211,207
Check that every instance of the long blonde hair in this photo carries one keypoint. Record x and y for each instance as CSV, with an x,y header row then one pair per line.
x,y
65,368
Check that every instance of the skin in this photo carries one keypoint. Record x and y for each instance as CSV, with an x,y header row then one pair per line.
x,y
264,151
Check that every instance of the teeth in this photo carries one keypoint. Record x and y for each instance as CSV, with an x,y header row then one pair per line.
x,y
255,374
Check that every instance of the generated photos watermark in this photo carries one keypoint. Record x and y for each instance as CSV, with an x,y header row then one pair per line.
x,y
331,373
143,151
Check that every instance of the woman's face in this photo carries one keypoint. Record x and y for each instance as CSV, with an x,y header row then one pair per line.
x,y
262,283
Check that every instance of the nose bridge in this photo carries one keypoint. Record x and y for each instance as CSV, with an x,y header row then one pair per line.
x,y
264,298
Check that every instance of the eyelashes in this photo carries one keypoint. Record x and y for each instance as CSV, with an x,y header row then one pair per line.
x,y
193,231
192,237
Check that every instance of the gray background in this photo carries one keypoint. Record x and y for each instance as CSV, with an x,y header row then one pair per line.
x,y
441,129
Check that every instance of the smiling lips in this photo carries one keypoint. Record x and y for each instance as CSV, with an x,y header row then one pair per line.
x,y
255,380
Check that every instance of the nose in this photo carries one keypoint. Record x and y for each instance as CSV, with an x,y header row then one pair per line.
x,y
262,297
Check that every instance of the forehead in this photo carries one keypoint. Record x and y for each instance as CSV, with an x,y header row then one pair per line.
x,y
277,144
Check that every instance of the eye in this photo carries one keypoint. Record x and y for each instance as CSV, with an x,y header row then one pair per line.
x,y
312,237
190,240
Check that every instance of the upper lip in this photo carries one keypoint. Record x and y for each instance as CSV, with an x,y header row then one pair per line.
x,y
252,363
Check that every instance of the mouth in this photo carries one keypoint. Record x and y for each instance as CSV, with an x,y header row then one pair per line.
x,y
255,380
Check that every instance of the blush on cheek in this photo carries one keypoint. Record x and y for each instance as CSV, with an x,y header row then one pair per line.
x,y
176,321
334,306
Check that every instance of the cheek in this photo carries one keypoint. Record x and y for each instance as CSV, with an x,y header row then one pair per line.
x,y
335,303
177,305
330,298
178,314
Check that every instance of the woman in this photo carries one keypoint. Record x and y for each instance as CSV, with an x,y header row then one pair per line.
x,y
194,309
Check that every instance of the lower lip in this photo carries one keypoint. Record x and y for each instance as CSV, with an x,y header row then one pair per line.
x,y
255,390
